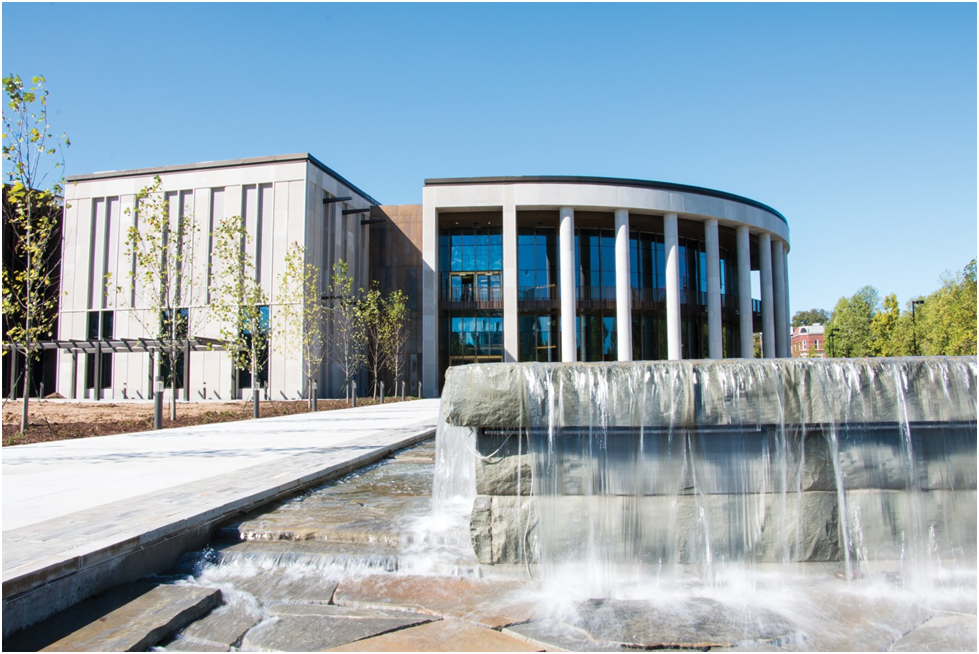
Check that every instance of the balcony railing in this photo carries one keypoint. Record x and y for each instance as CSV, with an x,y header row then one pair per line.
x,y
470,294
531,296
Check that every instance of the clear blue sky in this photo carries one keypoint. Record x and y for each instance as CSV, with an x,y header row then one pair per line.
x,y
857,122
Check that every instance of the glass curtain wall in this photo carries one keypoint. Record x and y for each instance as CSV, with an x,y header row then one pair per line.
x,y
595,267
647,268
471,264
538,294
471,295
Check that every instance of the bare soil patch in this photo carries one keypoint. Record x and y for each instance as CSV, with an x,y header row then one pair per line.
x,y
55,420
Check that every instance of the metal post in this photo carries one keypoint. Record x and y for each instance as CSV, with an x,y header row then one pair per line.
x,y
187,371
315,395
353,394
256,401
98,371
419,390
382,392
41,392
158,403
74,374
403,385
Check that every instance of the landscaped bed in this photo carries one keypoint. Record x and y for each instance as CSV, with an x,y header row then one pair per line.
x,y
55,420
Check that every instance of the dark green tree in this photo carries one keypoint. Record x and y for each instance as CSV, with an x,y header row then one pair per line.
x,y
946,322
810,317
851,323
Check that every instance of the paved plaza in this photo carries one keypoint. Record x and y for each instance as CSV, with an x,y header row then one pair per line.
x,y
83,515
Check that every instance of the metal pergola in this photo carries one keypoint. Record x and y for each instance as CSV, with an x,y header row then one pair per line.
x,y
99,346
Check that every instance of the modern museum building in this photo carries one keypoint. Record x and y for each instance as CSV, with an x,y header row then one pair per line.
x,y
494,269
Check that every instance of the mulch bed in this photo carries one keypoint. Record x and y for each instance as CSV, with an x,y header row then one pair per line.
x,y
42,431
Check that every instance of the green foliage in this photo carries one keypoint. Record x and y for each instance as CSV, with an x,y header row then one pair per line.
x,y
301,315
883,325
943,323
165,281
946,322
851,324
810,317
371,314
34,186
396,334
385,320
346,347
238,298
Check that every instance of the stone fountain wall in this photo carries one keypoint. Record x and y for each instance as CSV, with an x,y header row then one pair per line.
x,y
898,434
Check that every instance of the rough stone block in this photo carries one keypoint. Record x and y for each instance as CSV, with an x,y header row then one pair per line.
x,y
142,622
315,627
442,636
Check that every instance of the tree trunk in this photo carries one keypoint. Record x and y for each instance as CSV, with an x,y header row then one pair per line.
x,y
24,416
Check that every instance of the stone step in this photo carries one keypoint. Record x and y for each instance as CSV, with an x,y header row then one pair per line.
x,y
132,617
361,517
335,558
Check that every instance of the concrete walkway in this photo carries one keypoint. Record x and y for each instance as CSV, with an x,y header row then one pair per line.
x,y
82,515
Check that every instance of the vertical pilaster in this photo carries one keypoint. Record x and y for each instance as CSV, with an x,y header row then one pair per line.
x,y
569,341
511,335
744,293
430,303
767,296
715,346
623,286
778,284
671,247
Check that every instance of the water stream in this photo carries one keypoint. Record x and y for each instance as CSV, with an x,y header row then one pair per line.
x,y
757,505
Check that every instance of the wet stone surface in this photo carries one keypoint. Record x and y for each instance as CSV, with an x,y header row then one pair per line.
x,y
696,623
361,576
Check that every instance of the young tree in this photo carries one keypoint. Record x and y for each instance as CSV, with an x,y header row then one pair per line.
x,y
371,310
166,279
301,314
238,300
346,346
34,160
396,334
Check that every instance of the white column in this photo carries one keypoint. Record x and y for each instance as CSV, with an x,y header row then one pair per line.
x,y
623,285
788,306
569,344
767,296
671,246
511,334
778,288
715,346
744,293
430,304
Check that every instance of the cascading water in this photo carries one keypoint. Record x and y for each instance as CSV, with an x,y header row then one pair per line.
x,y
650,474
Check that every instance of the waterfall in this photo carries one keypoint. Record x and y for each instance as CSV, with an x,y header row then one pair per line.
x,y
672,471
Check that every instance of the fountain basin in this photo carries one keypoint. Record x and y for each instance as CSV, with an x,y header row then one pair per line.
x,y
868,462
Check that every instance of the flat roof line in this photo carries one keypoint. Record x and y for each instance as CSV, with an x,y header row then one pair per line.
x,y
229,163
606,181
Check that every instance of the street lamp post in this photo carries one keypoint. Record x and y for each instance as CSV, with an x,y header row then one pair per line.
x,y
914,327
